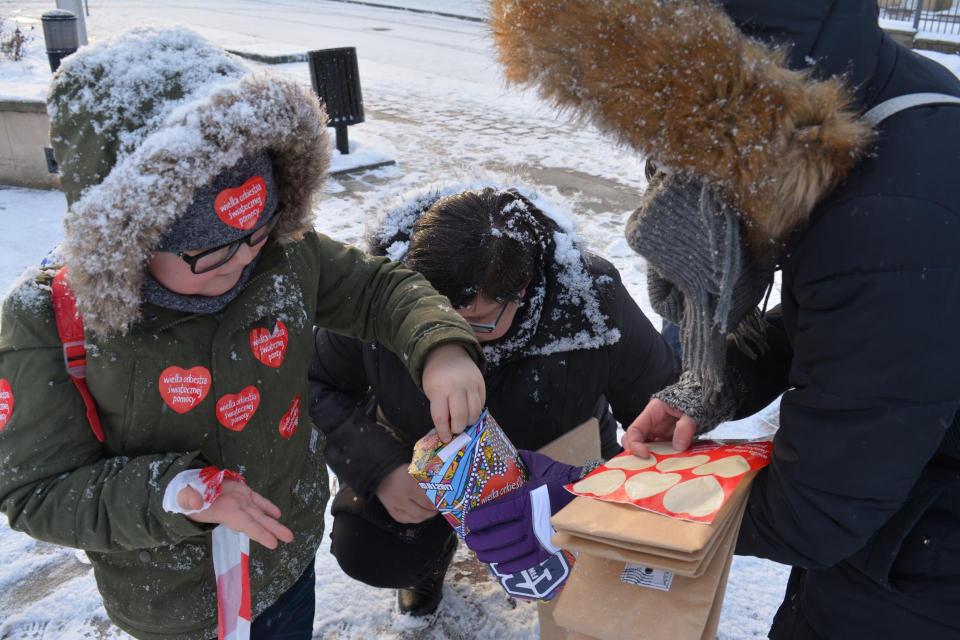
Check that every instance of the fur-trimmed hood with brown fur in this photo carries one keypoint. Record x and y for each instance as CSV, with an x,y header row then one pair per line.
x,y
138,124
679,82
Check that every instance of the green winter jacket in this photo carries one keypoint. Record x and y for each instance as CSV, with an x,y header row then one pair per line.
x,y
59,484
138,125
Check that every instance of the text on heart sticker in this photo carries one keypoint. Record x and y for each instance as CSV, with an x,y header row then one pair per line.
x,y
184,389
6,402
240,207
235,410
290,420
270,348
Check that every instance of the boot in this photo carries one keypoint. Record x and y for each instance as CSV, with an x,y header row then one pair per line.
x,y
423,598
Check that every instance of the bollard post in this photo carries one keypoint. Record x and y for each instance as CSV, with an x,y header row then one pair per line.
x,y
59,35
335,76
76,7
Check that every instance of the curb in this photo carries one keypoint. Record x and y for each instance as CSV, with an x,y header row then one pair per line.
x,y
282,58
428,12
363,167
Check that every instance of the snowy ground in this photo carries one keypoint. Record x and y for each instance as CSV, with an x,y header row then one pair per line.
x,y
435,103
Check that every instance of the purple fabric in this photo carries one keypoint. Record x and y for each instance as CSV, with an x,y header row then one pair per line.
x,y
502,531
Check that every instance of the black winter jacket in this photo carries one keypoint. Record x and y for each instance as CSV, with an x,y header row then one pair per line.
x,y
535,398
864,487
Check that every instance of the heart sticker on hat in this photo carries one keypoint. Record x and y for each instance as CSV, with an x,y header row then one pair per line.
x,y
240,207
6,402
235,410
290,420
184,389
270,348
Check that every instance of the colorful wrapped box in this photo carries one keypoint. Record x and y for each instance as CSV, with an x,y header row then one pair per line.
x,y
477,467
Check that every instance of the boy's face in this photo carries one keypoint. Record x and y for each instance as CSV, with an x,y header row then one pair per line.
x,y
174,273
487,312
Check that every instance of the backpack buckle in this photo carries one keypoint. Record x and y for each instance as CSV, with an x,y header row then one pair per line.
x,y
75,358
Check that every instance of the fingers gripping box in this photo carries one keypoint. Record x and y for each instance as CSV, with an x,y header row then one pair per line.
x,y
477,467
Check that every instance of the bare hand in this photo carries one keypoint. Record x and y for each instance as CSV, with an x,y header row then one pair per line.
x,y
456,390
658,422
403,498
241,509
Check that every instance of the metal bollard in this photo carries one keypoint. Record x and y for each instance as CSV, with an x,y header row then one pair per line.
x,y
335,76
60,35
76,6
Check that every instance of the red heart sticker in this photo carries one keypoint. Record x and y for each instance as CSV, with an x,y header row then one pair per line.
x,y
235,410
184,389
6,402
240,207
269,348
290,420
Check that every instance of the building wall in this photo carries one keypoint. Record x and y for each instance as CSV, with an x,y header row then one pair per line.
x,y
24,132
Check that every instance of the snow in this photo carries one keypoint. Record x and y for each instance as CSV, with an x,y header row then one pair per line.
x,y
365,151
465,8
949,60
25,79
436,104
32,222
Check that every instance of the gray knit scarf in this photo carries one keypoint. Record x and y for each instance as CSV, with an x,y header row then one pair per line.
x,y
701,277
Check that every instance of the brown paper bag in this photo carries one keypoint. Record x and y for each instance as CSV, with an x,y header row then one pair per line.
x,y
576,544
693,567
596,603
575,447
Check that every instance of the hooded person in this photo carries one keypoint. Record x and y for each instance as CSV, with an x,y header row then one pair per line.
x,y
563,342
151,388
799,137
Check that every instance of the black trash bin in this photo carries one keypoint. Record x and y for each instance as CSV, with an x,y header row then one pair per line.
x,y
59,35
335,76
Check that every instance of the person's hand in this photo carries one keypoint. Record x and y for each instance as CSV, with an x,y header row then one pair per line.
x,y
514,531
240,508
403,498
656,423
455,387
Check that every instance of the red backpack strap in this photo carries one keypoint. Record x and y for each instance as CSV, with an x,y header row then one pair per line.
x,y
70,328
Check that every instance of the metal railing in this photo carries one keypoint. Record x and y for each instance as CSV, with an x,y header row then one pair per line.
x,y
923,16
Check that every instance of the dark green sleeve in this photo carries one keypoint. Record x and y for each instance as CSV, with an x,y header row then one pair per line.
x,y
375,299
57,482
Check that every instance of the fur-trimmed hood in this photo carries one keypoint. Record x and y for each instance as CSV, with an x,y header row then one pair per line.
x,y
679,82
832,38
564,311
138,124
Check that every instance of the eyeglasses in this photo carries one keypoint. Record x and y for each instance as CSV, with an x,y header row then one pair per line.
x,y
490,327
216,257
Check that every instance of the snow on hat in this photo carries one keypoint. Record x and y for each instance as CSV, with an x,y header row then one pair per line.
x,y
139,125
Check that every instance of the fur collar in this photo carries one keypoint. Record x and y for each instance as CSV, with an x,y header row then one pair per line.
x,y
113,225
680,83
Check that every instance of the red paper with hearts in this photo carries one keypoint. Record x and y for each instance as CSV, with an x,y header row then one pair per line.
x,y
235,410
290,420
6,402
184,389
240,207
270,348
707,466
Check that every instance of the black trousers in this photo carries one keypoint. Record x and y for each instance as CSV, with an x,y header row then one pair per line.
x,y
373,548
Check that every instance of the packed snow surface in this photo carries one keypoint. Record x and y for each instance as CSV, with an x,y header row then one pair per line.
x,y
436,104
